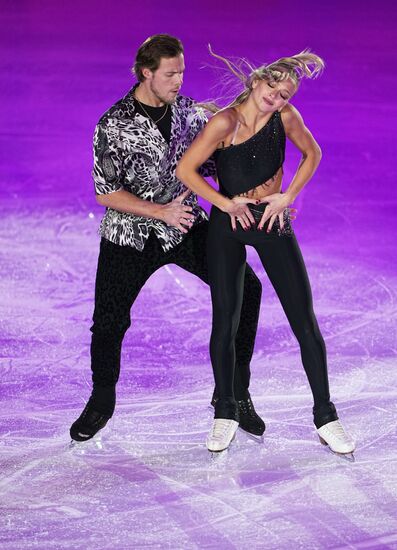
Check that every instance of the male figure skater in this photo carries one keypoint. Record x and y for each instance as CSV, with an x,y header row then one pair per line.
x,y
151,220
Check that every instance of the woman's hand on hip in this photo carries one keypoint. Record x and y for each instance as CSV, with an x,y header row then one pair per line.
x,y
277,203
239,212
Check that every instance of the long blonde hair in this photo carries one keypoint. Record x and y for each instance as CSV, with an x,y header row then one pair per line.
x,y
302,65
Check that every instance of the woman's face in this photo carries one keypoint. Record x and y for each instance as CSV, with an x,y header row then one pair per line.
x,y
271,96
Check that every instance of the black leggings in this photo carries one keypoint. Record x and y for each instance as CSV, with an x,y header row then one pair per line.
x,y
284,265
122,272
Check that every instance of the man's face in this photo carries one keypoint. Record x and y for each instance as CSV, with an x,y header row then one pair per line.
x,y
166,81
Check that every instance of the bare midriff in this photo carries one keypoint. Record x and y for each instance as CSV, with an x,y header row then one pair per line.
x,y
273,185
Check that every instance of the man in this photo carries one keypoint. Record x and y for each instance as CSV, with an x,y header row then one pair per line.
x,y
151,220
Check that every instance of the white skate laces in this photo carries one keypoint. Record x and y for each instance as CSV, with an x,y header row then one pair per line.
x,y
222,434
334,435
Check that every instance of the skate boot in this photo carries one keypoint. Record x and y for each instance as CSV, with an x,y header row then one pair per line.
x,y
250,421
333,435
89,423
222,433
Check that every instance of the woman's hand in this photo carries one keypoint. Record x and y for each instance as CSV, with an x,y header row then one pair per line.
x,y
277,203
239,211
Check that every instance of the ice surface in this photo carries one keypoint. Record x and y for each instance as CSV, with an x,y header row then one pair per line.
x,y
148,481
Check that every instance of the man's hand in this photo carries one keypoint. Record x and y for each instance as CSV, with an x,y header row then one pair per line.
x,y
177,214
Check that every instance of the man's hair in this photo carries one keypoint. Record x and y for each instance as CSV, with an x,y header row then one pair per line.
x,y
152,50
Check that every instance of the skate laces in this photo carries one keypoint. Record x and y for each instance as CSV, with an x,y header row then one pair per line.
x,y
338,431
247,407
220,428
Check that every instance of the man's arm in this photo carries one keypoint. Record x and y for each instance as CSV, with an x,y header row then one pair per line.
x,y
124,201
107,174
174,213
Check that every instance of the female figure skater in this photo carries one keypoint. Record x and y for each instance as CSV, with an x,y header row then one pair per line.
x,y
248,138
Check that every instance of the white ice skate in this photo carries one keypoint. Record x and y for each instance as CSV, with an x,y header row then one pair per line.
x,y
221,435
340,442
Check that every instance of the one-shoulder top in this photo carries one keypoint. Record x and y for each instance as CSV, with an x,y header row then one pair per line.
x,y
246,165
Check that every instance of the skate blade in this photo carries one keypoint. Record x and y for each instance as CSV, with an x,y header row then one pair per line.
x,y
260,439
93,442
346,456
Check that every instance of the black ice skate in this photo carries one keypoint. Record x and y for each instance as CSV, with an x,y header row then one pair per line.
x,y
250,421
88,423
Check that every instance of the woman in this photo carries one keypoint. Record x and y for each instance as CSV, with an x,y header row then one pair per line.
x,y
248,139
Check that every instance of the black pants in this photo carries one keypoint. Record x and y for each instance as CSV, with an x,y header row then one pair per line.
x,y
122,272
284,265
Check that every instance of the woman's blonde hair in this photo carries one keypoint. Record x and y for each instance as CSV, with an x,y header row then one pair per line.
x,y
302,65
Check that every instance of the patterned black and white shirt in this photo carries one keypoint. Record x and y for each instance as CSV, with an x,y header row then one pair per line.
x,y
131,154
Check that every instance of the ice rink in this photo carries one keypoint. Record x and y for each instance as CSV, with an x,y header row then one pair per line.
x,y
148,481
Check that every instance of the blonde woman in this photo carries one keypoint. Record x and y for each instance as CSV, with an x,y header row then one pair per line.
x,y
248,139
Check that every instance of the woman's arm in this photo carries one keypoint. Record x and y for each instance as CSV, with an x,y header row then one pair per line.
x,y
217,129
302,138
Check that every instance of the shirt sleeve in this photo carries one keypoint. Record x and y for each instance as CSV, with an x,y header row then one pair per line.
x,y
108,160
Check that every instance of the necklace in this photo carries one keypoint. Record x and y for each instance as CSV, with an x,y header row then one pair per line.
x,y
147,114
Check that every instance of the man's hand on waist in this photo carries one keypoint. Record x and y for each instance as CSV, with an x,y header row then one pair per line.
x,y
176,213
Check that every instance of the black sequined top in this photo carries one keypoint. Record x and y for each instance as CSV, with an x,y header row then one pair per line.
x,y
246,165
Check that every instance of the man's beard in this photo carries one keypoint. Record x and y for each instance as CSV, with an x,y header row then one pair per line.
x,y
160,97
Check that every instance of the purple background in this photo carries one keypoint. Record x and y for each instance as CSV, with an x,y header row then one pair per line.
x,y
65,65
149,481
